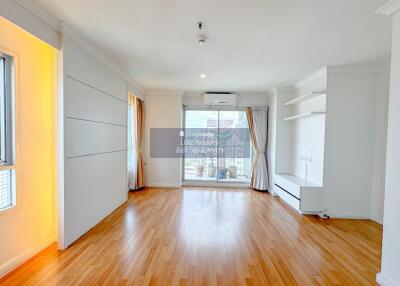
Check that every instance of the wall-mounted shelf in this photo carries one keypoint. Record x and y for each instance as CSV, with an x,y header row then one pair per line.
x,y
295,117
305,97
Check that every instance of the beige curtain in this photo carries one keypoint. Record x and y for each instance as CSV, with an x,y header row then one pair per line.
x,y
132,151
139,112
257,119
135,139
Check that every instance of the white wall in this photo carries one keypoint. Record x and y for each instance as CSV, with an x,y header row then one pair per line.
x,y
349,141
95,127
30,226
308,134
271,148
162,110
29,16
390,274
283,131
380,138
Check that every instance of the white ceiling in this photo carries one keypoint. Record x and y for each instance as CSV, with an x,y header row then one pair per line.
x,y
252,46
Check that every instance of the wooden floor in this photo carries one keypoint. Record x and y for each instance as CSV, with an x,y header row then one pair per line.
x,y
200,236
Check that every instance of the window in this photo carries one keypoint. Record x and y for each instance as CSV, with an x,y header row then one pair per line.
x,y
7,167
234,166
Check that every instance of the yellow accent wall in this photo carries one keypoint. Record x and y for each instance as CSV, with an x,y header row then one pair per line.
x,y
31,225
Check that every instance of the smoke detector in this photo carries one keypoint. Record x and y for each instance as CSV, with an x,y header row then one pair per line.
x,y
201,38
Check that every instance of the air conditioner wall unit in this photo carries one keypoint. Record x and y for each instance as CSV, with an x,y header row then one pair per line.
x,y
220,98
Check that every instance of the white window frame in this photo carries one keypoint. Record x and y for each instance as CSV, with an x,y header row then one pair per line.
x,y
210,182
7,128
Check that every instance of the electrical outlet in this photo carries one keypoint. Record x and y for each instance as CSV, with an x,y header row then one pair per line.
x,y
324,214
304,158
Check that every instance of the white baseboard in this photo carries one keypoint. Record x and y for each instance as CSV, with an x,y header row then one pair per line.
x,y
163,185
384,280
345,215
214,184
196,184
376,219
25,256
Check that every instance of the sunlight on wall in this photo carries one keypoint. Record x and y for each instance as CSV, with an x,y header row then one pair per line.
x,y
31,225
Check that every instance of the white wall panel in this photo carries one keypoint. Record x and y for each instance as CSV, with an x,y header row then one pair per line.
x,y
390,274
85,138
88,103
95,120
95,186
81,66
380,141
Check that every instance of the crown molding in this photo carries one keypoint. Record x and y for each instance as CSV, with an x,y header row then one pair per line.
x,y
253,95
163,93
136,88
389,8
33,19
332,69
319,73
359,69
61,29
90,48
41,13
278,90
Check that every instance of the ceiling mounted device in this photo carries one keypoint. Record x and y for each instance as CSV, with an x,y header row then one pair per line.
x,y
201,38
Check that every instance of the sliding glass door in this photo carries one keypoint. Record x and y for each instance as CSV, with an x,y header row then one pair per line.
x,y
228,157
202,167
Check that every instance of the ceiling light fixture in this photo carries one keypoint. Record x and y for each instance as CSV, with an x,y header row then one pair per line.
x,y
203,75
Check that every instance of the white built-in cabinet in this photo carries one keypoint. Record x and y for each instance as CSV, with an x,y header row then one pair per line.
x,y
324,132
300,143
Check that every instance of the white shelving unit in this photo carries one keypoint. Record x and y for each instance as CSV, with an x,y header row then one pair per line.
x,y
299,157
305,97
311,113
315,158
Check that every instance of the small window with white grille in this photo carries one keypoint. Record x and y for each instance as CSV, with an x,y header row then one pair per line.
x,y
7,166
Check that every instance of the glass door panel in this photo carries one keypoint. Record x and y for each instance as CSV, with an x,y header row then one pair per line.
x,y
203,166
235,166
227,162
